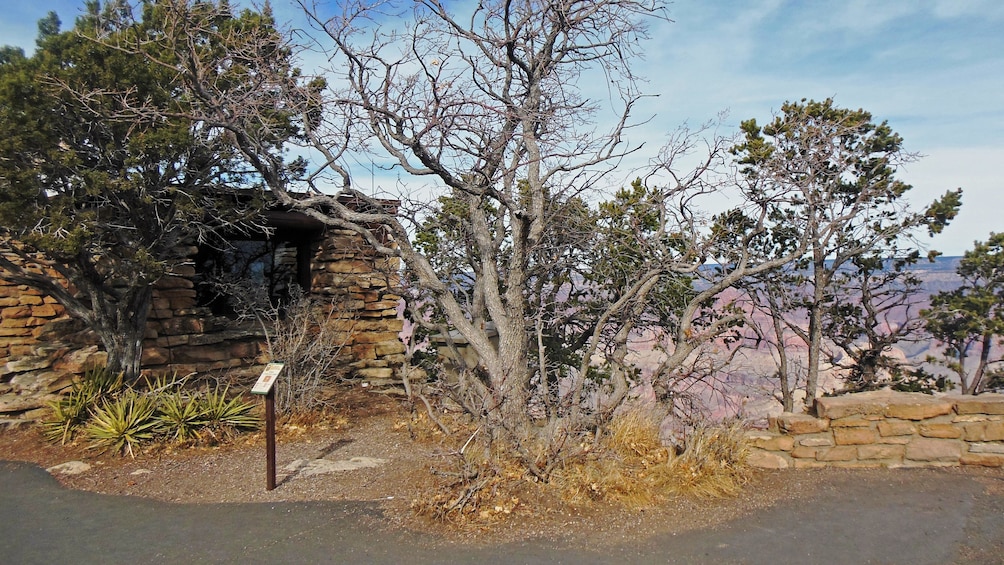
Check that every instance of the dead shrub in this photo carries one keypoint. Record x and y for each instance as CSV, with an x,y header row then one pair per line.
x,y
632,467
479,485
629,465
713,461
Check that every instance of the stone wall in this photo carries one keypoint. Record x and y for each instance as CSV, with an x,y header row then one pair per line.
x,y
886,429
42,349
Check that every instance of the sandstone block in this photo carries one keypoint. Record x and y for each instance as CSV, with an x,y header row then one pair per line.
x,y
15,312
864,403
389,348
26,364
772,442
974,431
802,452
816,441
14,332
154,356
382,305
375,373
994,431
917,406
986,448
35,381
982,404
982,459
878,451
349,267
892,404
765,460
945,431
190,354
929,449
46,311
34,322
363,351
12,403
802,423
80,360
838,453
888,428
61,384
854,436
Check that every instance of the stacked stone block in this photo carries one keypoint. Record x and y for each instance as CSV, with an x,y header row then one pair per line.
x,y
886,429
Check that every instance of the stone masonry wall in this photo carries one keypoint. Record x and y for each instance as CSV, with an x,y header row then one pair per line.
x,y
886,429
42,349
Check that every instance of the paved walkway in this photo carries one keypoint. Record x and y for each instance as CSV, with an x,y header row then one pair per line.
x,y
908,517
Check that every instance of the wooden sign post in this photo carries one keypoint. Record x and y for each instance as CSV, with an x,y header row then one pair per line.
x,y
266,385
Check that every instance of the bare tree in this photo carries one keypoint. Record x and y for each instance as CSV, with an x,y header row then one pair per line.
x,y
489,109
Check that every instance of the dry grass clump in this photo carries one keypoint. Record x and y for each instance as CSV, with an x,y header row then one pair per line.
x,y
713,463
633,467
629,465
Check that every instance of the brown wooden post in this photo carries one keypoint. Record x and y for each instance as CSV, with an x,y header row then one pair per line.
x,y
265,386
270,438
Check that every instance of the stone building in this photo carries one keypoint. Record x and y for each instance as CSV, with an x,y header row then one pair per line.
x,y
193,329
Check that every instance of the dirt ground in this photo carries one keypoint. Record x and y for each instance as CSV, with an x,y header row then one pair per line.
x,y
375,427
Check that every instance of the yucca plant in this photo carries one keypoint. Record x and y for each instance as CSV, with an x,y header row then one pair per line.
x,y
124,422
164,384
68,414
72,411
103,381
227,414
180,416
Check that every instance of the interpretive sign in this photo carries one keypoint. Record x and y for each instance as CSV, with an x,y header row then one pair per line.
x,y
267,378
264,386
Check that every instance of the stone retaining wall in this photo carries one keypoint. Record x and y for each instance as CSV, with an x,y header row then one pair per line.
x,y
886,429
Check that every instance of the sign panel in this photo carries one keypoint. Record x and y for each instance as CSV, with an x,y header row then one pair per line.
x,y
267,378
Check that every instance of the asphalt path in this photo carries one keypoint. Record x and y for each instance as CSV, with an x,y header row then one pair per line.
x,y
898,517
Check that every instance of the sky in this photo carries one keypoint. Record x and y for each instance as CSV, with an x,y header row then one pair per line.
x,y
934,69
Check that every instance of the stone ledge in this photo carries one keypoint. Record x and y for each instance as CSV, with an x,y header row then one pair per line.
x,y
885,403
982,404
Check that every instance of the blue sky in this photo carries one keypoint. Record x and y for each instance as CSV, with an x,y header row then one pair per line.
x,y
933,68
